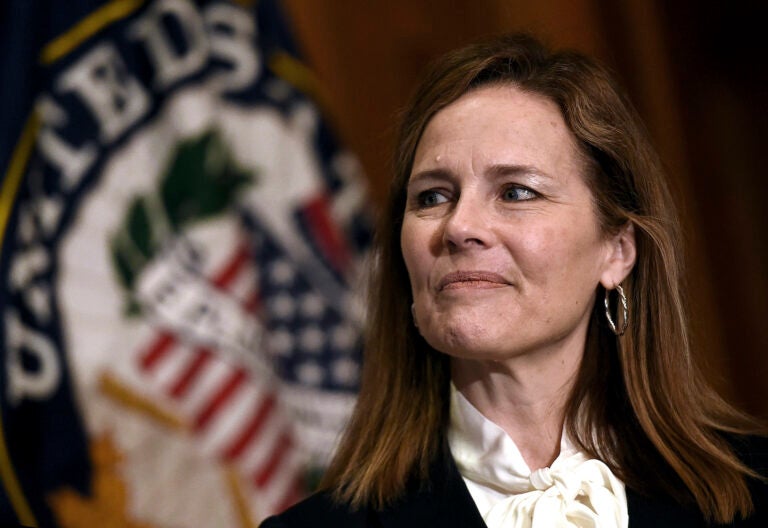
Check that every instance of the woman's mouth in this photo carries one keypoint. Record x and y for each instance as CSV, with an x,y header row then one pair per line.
x,y
471,279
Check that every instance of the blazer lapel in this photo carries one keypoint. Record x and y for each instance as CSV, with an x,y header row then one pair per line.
x,y
444,502
448,504
659,512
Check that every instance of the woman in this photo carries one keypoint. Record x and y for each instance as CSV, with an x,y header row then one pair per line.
x,y
527,359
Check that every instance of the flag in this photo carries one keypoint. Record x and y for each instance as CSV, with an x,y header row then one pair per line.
x,y
182,244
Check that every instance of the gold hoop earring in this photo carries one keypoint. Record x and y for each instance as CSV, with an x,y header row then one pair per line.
x,y
625,311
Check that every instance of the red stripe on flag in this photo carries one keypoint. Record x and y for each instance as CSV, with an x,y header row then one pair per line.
x,y
225,392
251,430
326,233
191,373
252,303
232,268
283,445
159,347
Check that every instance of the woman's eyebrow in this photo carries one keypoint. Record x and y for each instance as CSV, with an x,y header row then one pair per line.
x,y
495,171
430,174
505,169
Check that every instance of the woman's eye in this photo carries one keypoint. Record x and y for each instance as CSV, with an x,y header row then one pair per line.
x,y
431,198
518,194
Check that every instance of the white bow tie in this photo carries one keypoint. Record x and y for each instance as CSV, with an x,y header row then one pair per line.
x,y
579,494
574,492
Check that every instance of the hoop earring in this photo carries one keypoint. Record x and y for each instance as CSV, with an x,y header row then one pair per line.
x,y
625,311
413,315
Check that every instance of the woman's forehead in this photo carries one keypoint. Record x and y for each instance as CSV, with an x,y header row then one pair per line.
x,y
498,127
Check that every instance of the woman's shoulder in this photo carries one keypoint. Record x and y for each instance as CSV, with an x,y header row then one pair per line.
x,y
752,450
658,510
318,509
441,500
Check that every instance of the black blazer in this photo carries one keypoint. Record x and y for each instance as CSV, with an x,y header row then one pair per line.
x,y
446,503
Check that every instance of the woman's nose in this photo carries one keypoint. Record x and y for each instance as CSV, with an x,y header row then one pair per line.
x,y
467,224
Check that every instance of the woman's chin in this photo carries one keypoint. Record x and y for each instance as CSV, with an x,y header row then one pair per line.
x,y
471,343
476,327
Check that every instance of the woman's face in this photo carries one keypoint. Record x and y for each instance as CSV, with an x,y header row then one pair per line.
x,y
501,242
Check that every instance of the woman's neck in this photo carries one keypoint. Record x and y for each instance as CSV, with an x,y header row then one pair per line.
x,y
523,396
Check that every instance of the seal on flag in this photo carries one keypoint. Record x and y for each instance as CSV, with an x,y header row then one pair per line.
x,y
187,241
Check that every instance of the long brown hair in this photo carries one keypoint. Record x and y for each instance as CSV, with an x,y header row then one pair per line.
x,y
639,402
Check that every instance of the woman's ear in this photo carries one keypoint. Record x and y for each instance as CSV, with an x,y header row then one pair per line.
x,y
622,251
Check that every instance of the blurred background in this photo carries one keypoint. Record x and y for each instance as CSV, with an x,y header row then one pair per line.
x,y
697,74
187,194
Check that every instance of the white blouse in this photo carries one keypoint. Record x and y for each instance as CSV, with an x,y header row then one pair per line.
x,y
573,492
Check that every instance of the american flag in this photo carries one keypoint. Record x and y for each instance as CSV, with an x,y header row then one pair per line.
x,y
314,342
178,237
232,404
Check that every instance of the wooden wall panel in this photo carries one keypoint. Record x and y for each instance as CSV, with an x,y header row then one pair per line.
x,y
718,54
369,54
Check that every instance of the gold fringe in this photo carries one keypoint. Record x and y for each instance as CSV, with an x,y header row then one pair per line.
x,y
128,397
241,503
10,187
15,172
295,72
86,28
